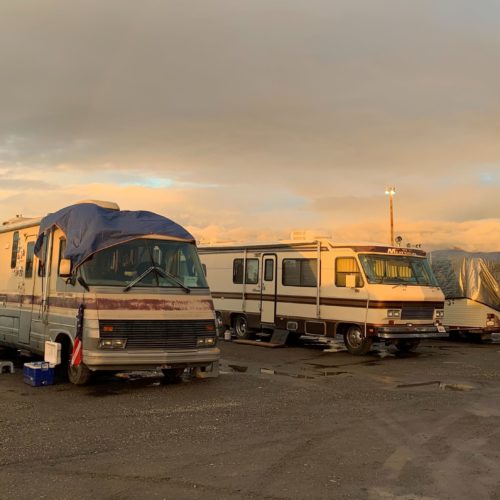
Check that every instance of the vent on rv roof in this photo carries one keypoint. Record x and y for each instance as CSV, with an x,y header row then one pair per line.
x,y
111,205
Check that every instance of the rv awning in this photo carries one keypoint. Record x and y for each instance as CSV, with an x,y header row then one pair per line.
x,y
471,275
90,228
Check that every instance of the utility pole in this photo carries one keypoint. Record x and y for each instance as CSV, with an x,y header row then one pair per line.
x,y
391,191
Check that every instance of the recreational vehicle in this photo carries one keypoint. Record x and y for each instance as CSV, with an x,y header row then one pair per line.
x,y
471,285
363,292
118,290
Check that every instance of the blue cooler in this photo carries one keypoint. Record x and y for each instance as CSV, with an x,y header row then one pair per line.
x,y
38,373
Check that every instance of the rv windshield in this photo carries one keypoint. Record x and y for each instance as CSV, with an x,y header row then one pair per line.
x,y
396,270
171,263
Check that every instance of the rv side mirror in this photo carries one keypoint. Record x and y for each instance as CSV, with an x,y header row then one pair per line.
x,y
65,268
350,281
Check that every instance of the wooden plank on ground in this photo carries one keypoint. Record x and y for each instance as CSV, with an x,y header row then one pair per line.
x,y
256,342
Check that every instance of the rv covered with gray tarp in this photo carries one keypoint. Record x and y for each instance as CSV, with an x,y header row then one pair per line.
x,y
471,284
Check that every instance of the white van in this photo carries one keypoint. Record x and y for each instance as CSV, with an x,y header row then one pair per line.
x,y
134,280
364,292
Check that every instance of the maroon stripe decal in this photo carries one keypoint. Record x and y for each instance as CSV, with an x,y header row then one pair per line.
x,y
113,304
154,305
330,301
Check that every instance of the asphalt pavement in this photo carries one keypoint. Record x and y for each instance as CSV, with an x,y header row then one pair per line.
x,y
283,423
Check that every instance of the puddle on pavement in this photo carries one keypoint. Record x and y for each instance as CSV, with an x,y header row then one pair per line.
x,y
444,386
308,371
418,384
238,368
456,387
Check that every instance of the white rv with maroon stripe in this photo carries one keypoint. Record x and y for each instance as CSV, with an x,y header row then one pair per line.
x,y
144,297
364,292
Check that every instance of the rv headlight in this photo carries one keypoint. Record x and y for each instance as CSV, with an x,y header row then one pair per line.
x,y
112,343
393,313
439,313
206,341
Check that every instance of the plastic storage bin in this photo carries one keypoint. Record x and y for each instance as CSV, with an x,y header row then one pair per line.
x,y
38,373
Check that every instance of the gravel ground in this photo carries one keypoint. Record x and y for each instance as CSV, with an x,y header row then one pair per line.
x,y
294,422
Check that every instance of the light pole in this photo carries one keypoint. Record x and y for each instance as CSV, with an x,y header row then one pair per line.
x,y
391,191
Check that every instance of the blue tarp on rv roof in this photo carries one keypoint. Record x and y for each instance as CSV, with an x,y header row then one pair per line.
x,y
90,228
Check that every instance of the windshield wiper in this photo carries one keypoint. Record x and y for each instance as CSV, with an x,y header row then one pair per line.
x,y
401,283
169,276
139,278
83,283
162,273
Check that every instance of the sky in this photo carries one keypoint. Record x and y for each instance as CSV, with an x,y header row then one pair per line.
x,y
249,119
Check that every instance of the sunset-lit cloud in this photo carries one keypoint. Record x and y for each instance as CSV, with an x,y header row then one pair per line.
x,y
251,119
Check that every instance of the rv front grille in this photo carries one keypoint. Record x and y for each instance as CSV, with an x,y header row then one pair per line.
x,y
417,313
157,334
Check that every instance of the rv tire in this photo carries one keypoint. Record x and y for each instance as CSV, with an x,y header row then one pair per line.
x,y
241,327
355,342
78,375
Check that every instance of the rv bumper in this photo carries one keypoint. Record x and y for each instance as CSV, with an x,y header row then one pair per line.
x,y
488,330
412,332
144,360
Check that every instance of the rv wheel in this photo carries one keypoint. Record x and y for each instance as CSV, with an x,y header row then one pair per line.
x,y
78,375
241,327
355,342
407,345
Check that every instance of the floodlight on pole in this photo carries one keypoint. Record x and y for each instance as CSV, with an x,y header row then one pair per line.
x,y
391,191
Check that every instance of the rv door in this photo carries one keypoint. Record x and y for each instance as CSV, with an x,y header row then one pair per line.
x,y
26,292
40,297
268,289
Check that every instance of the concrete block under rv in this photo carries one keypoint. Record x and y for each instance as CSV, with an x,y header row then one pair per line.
x,y
363,292
134,279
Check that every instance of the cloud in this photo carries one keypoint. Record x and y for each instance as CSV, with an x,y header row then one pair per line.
x,y
13,184
256,117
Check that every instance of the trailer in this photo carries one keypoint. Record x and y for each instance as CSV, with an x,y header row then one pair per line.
x,y
363,292
118,290
471,284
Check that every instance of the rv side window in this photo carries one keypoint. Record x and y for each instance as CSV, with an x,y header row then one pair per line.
x,y
268,270
238,271
15,246
300,272
62,249
252,271
30,252
345,266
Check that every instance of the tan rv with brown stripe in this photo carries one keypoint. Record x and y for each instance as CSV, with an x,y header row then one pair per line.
x,y
128,324
362,292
